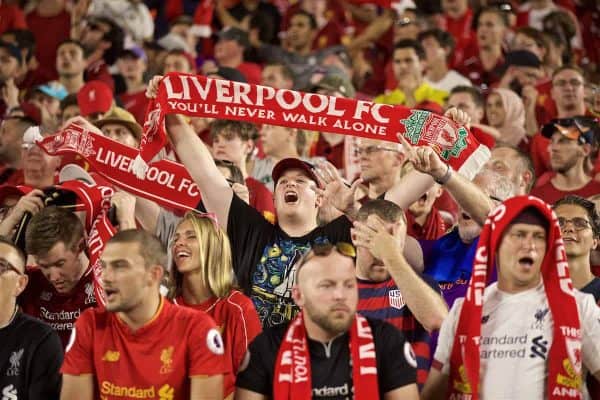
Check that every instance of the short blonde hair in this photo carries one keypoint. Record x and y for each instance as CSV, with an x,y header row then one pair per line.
x,y
215,256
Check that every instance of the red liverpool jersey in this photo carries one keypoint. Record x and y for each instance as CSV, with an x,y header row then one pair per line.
x,y
154,362
238,323
58,310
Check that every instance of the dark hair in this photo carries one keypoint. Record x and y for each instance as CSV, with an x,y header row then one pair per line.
x,y
23,122
69,100
443,38
150,247
411,44
384,209
493,10
50,226
234,171
312,21
524,160
72,41
472,91
587,205
20,253
245,130
116,37
25,40
538,36
285,70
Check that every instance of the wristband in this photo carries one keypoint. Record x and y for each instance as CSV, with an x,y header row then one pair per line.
x,y
444,179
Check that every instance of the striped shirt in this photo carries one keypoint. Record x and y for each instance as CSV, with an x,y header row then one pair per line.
x,y
383,300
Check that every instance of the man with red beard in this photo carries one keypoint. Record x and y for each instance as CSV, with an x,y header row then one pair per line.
x,y
61,285
328,362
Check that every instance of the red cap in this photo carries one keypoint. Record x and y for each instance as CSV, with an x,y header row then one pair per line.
x,y
10,190
94,97
293,163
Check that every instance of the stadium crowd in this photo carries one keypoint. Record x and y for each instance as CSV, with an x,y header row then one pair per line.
x,y
286,262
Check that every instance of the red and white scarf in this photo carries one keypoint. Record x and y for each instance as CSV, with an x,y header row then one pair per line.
x,y
292,379
167,183
95,201
564,359
198,96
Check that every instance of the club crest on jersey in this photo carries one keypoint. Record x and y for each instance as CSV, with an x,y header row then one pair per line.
x,y
396,300
90,298
15,363
540,316
166,357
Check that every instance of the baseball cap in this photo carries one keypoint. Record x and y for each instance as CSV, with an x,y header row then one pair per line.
x,y
94,97
232,33
134,52
231,74
336,83
13,50
173,41
522,58
293,163
118,115
53,89
13,191
583,129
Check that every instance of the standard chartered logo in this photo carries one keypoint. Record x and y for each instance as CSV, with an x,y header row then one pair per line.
x,y
539,347
165,392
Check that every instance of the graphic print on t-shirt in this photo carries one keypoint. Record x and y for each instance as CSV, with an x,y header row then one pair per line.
x,y
274,278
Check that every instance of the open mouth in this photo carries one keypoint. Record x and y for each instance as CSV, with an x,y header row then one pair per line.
x,y
290,197
110,293
466,216
182,255
526,262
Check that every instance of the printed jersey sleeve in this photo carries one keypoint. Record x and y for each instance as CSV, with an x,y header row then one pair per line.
x,y
79,352
396,362
45,376
441,359
206,350
256,373
590,321
248,232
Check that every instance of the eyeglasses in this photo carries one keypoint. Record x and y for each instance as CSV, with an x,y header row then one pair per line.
x,y
572,82
5,266
578,223
404,21
372,149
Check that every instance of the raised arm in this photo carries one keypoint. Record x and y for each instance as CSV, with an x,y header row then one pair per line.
x,y
193,153
427,305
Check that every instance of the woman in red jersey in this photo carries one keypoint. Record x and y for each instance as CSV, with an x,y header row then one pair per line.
x,y
203,279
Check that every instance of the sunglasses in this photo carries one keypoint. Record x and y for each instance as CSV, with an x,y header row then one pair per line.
x,y
324,249
5,266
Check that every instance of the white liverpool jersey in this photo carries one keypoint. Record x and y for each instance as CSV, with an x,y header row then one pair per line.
x,y
516,335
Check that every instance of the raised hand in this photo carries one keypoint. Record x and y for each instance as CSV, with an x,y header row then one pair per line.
x,y
374,235
334,190
152,89
424,159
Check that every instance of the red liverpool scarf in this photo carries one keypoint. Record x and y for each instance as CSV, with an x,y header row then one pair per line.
x,y
95,201
198,96
564,359
167,183
292,378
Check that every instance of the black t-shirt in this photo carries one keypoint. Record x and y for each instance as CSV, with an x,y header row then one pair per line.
x,y
331,373
30,358
593,288
263,256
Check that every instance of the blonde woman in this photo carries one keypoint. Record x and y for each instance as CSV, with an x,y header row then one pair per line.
x,y
203,280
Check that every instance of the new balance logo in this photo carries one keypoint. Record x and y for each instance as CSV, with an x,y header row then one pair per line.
x,y
9,393
539,347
